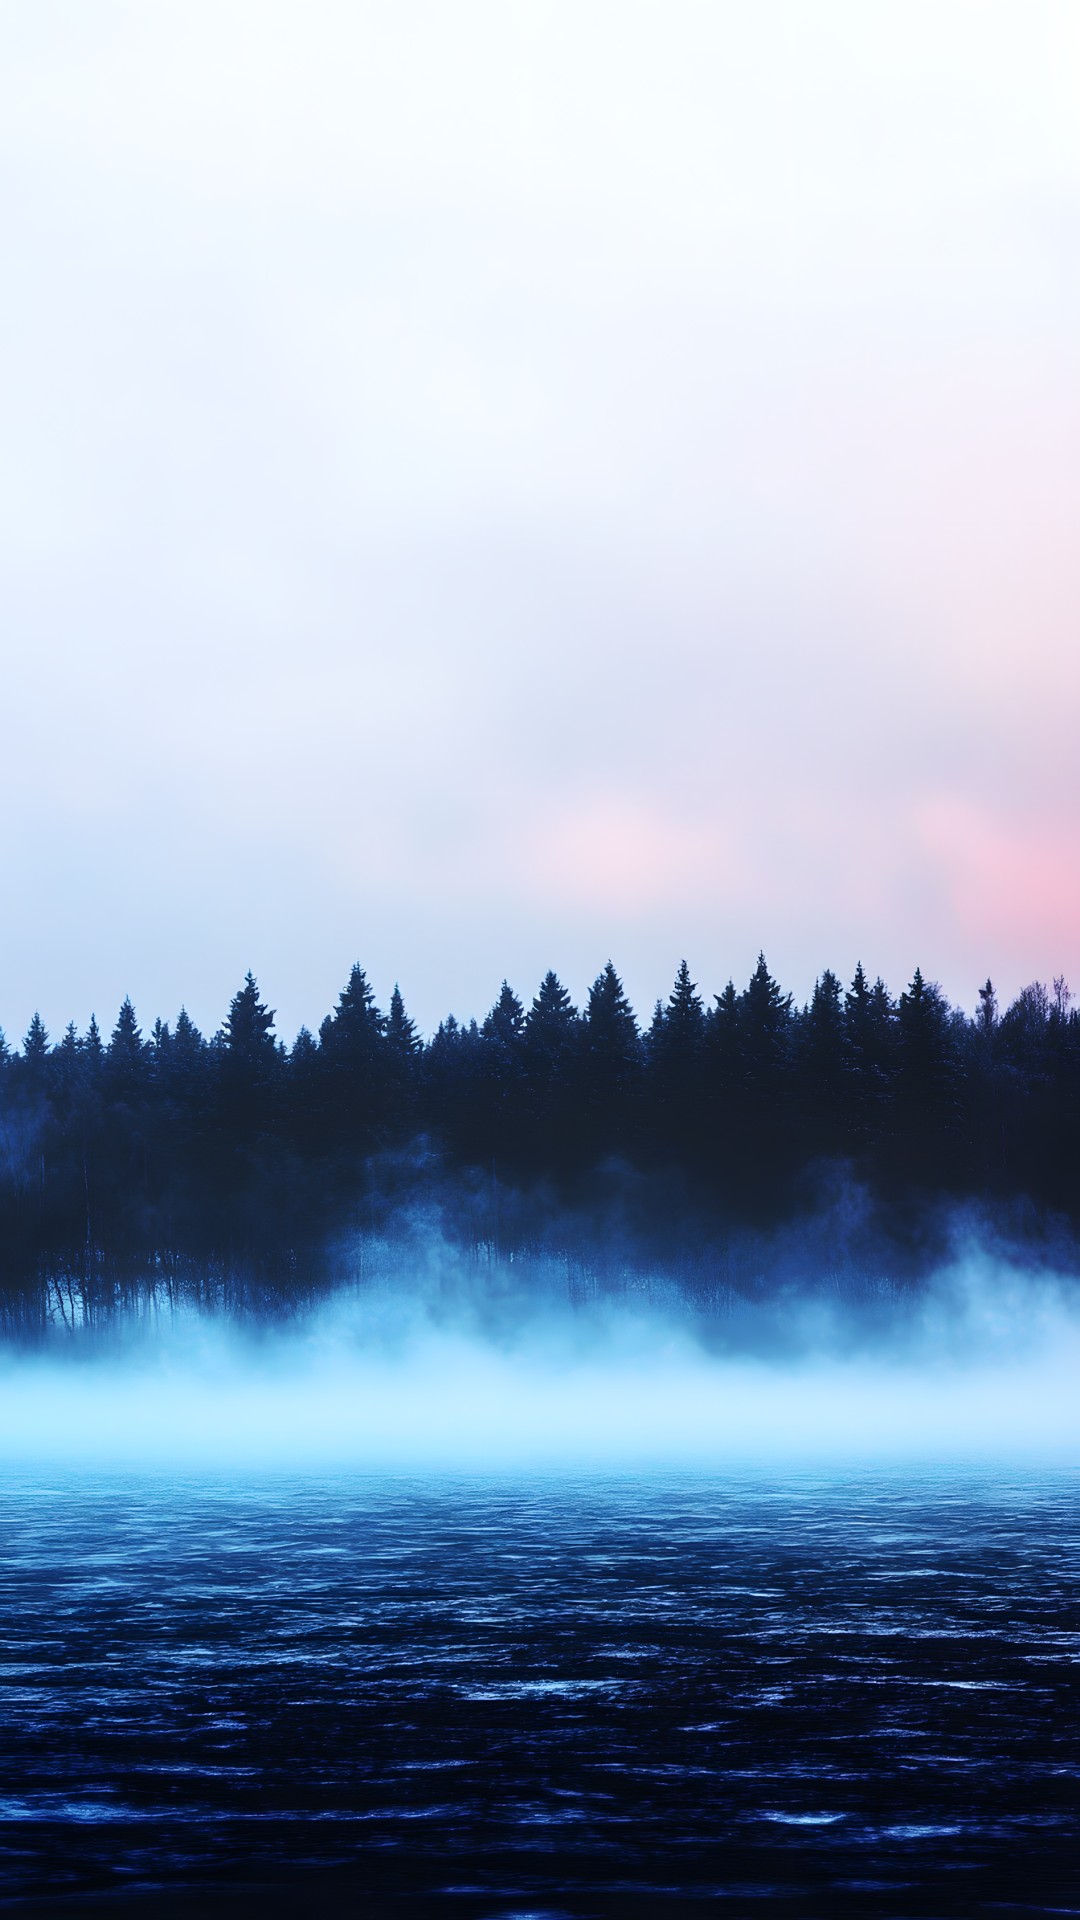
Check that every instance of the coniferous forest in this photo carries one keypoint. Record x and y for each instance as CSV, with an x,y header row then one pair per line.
x,y
543,1126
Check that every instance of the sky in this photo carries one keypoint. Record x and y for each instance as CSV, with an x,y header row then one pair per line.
x,y
497,486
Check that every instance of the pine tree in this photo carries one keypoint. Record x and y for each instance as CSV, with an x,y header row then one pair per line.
x,y
400,1030
927,1112
35,1047
723,1034
765,1026
986,1018
249,1027
882,1030
355,1028
825,1068
497,1120
723,1076
610,1062
184,1068
404,1066
188,1044
451,1068
125,1059
1024,1029
247,1072
93,1046
303,1050
857,1008
303,1093
870,1031
756,1134
66,1064
682,1027
357,1069
127,1040
676,1078
505,1024
551,1024
549,1048
611,1031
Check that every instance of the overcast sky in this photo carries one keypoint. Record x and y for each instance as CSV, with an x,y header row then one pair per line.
x,y
490,486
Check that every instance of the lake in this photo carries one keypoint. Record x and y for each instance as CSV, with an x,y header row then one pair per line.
x,y
800,1694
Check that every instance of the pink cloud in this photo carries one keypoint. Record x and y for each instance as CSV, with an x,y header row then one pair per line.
x,y
620,856
1013,887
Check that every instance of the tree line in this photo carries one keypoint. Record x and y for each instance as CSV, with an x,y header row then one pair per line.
x,y
171,1145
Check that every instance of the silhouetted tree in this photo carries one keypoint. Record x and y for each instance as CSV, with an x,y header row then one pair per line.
x,y
352,1042
986,1018
825,1070
247,1065
870,1029
551,1029
926,1107
762,1145
93,1046
249,1028
149,1152
35,1047
400,1030
609,1064
676,1072
125,1060
550,1041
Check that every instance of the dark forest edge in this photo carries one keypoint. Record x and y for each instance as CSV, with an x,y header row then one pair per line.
x,y
729,1144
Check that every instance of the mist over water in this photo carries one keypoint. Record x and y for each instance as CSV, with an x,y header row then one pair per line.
x,y
495,1588
440,1364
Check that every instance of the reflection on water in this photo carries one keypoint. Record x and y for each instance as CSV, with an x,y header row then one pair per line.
x,y
814,1696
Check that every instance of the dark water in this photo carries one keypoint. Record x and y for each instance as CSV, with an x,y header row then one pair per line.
x,y
818,1696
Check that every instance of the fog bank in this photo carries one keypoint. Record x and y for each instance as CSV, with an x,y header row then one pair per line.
x,y
983,1366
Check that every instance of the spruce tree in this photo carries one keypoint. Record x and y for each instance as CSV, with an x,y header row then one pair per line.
x,y
400,1029
35,1047
247,1071
723,1035
353,1031
683,1024
404,1066
986,1017
248,1033
549,1042
498,1120
761,1137
356,1067
551,1024
303,1050
505,1024
926,1094
188,1044
610,1059
676,1077
825,1068
125,1058
869,1027
765,1028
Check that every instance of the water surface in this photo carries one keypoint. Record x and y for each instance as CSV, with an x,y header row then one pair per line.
x,y
806,1695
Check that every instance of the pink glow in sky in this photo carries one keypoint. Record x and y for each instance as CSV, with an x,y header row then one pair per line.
x,y
490,487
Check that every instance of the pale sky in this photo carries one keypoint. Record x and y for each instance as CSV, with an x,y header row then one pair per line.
x,y
490,486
